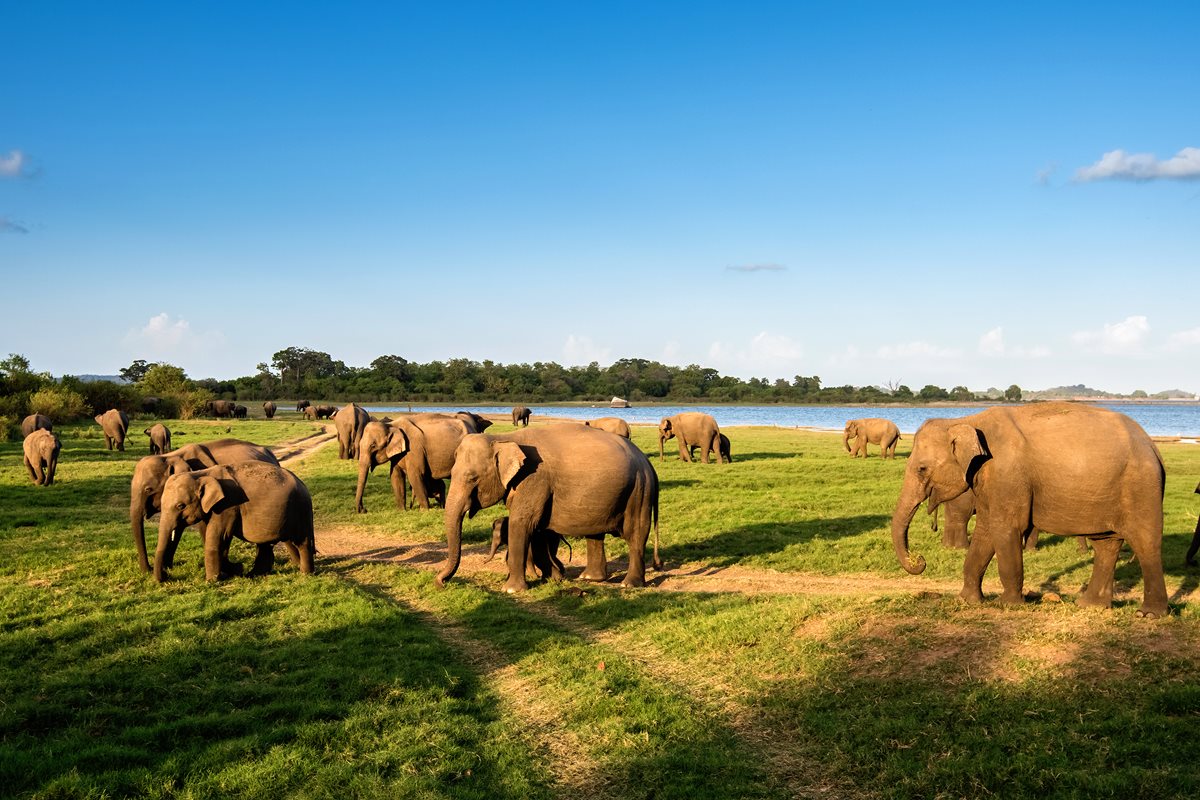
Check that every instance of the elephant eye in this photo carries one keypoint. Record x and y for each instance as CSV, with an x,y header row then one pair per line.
x,y
181,506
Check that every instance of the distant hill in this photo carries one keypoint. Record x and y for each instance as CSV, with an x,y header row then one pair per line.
x,y
1173,394
98,378
1078,390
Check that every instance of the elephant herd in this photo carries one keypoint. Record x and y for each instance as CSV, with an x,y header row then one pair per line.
x,y
1018,469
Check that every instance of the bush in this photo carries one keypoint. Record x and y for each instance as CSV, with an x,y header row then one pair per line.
x,y
100,396
9,429
190,403
58,403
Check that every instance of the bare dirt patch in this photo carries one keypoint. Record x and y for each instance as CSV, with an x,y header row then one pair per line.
x,y
296,449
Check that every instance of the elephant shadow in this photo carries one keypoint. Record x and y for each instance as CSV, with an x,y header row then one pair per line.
x,y
731,547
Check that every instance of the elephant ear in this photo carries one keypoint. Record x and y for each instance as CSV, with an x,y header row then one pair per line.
x,y
397,444
211,492
509,459
665,426
965,444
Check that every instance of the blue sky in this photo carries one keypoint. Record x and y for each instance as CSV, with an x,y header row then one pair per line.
x,y
974,194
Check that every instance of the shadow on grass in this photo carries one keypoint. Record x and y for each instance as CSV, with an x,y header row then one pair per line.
x,y
762,538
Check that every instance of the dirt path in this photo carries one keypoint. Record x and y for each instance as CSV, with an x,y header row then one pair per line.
x,y
305,445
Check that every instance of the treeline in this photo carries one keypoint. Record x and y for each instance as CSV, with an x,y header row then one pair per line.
x,y
302,373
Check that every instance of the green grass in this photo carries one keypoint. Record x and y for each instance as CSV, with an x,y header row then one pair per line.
x,y
366,681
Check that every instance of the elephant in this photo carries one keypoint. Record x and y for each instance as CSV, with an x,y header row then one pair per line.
x,y
349,421
419,449
240,412
542,553
325,412
520,416
41,448
151,473
256,502
882,432
959,512
151,405
611,424
726,450
114,423
1063,468
691,428
564,478
269,409
35,422
301,405
220,408
476,423
160,438
1190,558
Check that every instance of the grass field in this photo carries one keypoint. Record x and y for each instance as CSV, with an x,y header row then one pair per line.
x,y
366,681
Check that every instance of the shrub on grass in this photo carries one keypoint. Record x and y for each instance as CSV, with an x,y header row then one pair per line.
x,y
58,403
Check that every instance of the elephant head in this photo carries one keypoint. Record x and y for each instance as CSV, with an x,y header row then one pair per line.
x,y
483,471
850,432
187,499
145,499
665,432
940,469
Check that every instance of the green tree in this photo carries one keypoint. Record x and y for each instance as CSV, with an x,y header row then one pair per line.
x,y
930,392
135,371
961,393
164,380
1013,394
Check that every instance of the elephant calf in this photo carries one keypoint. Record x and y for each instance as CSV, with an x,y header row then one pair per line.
x,y
882,432
614,425
160,438
1190,559
114,423
41,449
691,428
36,422
254,501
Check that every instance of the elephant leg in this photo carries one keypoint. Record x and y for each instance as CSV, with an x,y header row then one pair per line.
x,y
293,553
1099,589
684,453
1031,539
399,487
597,563
32,475
420,497
1010,563
520,530
1190,558
979,555
264,560
1081,544
308,551
1146,542
214,552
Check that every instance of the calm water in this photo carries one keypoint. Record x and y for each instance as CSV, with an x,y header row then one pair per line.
x,y
1182,419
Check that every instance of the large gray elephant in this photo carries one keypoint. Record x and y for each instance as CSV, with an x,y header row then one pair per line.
x,y
259,503
726,449
1062,468
160,438
41,448
36,422
240,412
319,412
875,430
115,424
418,449
566,479
220,408
349,421
1190,558
520,416
269,409
691,428
301,405
475,423
614,425
958,514
151,473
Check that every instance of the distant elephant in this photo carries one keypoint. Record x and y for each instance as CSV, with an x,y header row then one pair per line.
x,y
219,408
325,412
349,421
41,448
419,451
269,409
151,473
1063,468
542,553
691,428
301,405
882,432
114,423
240,412
726,449
36,422
611,424
160,438
567,479
476,423
259,503
1190,558
520,416
151,405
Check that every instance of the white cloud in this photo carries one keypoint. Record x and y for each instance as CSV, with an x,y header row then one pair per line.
x,y
1124,337
8,226
582,350
165,337
1182,339
917,349
767,351
1045,173
12,165
756,268
671,351
1119,165
992,344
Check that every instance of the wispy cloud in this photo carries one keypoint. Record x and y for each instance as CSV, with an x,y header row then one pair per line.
x,y
992,344
582,350
1119,165
1045,173
164,336
1117,338
766,351
9,226
1182,339
13,165
756,268
917,349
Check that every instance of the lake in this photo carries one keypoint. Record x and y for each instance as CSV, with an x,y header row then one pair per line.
x,y
1173,419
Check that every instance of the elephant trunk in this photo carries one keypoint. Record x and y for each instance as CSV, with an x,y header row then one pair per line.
x,y
911,497
498,536
168,540
661,456
457,506
846,440
364,467
51,468
137,523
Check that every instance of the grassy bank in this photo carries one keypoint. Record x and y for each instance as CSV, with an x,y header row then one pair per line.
x,y
365,681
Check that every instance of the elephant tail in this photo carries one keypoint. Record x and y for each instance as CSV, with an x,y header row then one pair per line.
x,y
654,516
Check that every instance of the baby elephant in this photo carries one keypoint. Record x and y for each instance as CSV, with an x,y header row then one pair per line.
x,y
726,449
160,438
257,502
541,555
41,456
882,432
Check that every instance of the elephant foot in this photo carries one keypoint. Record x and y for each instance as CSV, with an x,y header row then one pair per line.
x,y
633,582
1089,600
514,585
595,577
1009,598
970,595
361,509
